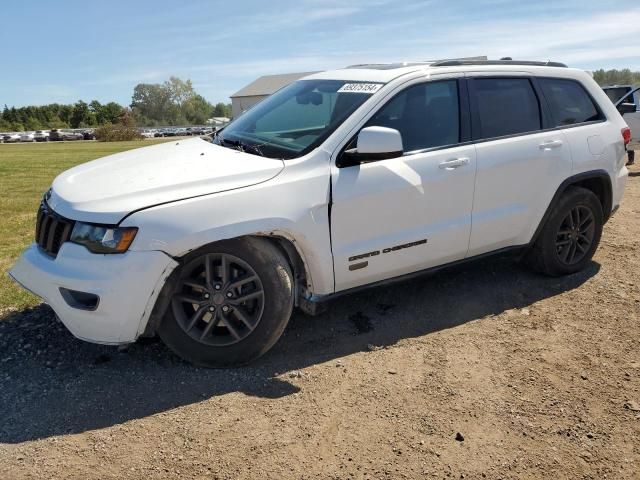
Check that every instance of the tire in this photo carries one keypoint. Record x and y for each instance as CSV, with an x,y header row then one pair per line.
x,y
560,238
208,328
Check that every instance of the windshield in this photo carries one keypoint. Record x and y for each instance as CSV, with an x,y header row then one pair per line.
x,y
296,119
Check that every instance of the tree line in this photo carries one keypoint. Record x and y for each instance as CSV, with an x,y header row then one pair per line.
x,y
616,77
173,102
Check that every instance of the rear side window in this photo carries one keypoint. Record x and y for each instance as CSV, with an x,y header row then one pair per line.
x,y
506,106
426,115
569,102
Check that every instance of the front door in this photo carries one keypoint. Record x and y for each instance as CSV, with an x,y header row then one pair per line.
x,y
396,216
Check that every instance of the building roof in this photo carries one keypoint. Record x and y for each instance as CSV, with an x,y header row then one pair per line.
x,y
269,84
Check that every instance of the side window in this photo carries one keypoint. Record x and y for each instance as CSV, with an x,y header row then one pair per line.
x,y
569,102
506,106
426,115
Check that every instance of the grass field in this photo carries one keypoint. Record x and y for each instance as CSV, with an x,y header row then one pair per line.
x,y
26,171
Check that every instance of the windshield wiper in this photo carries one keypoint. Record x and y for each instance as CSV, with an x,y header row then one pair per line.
x,y
238,145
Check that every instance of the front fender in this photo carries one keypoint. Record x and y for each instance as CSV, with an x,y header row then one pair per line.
x,y
181,227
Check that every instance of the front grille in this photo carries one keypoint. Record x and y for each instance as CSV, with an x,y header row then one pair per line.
x,y
52,230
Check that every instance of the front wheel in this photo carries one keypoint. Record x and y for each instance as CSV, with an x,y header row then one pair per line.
x,y
570,236
230,303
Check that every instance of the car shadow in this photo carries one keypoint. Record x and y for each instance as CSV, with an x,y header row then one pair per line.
x,y
53,384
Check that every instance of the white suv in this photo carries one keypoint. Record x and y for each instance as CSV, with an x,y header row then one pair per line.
x,y
341,180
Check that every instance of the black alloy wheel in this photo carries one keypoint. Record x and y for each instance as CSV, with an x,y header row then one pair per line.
x,y
575,235
219,301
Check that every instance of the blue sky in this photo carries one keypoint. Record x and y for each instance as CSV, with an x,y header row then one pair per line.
x,y
101,50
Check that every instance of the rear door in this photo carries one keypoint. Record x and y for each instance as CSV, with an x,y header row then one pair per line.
x,y
519,164
633,119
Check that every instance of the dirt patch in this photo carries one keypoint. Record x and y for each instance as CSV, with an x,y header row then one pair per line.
x,y
486,371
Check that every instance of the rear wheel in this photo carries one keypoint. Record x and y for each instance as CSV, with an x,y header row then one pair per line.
x,y
570,236
230,304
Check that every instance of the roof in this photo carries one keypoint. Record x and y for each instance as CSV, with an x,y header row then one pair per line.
x,y
385,73
368,74
269,84
392,66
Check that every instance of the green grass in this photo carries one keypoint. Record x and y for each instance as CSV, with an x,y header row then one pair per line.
x,y
26,171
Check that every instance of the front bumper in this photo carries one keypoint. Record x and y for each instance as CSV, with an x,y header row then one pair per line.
x,y
127,284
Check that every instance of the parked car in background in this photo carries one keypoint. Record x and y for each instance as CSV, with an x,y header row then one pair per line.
x,y
211,244
11,138
88,134
58,134
198,130
626,98
27,137
616,92
146,133
41,136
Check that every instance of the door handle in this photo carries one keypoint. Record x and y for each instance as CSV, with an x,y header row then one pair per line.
x,y
550,144
454,163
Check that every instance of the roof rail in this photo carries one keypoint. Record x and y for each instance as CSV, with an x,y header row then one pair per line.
x,y
456,63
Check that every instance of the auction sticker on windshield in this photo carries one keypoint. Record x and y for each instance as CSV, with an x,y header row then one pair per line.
x,y
360,88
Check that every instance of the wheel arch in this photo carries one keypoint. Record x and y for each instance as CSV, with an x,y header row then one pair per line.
x,y
285,244
597,181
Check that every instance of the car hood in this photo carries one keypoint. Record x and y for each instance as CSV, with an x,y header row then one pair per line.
x,y
107,189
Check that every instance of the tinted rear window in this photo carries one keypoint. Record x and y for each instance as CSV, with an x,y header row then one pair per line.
x,y
569,102
506,106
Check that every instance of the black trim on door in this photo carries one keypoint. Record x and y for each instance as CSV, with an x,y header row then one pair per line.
x,y
465,111
548,123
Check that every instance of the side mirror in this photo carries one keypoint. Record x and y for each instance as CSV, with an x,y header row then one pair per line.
x,y
373,143
626,108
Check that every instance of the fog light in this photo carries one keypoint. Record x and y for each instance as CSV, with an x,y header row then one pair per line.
x,y
80,300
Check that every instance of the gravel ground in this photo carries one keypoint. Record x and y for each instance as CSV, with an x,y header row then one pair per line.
x,y
485,371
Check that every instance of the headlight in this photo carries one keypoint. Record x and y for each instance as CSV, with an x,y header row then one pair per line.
x,y
103,239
